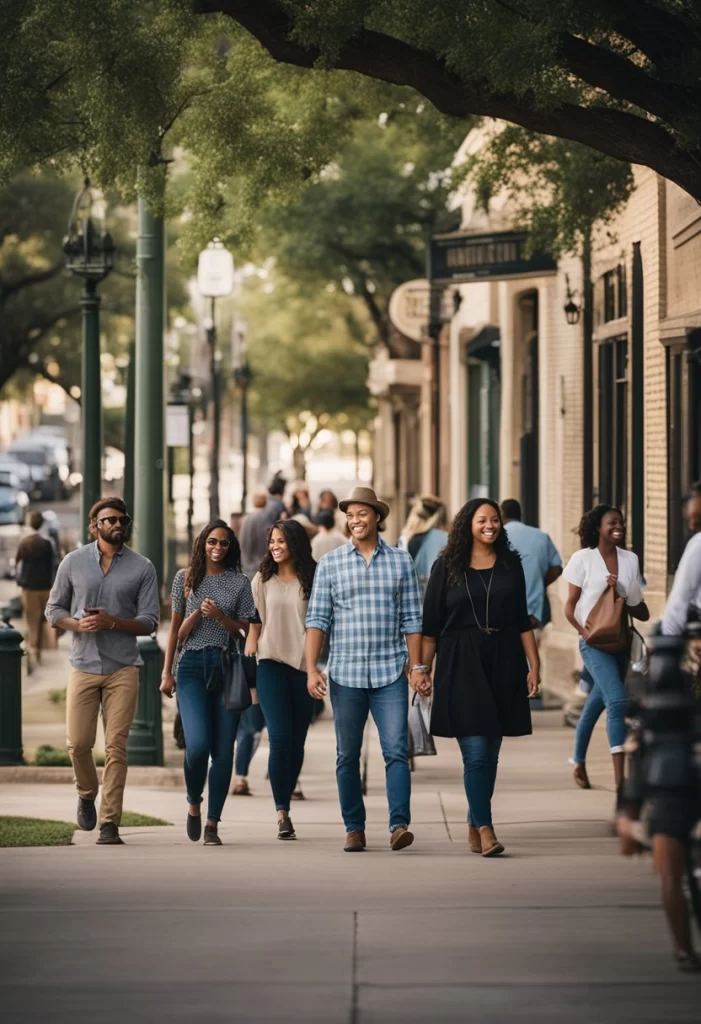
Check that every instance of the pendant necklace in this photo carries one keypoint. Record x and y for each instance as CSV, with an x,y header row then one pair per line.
x,y
486,628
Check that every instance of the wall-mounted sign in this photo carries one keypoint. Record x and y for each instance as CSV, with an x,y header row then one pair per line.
x,y
464,257
177,425
408,308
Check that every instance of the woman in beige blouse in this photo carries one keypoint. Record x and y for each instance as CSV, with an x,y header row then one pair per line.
x,y
281,592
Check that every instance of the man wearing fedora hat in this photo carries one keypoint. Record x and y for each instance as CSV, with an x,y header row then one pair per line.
x,y
366,599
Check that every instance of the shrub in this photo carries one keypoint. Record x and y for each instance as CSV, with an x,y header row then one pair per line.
x,y
57,696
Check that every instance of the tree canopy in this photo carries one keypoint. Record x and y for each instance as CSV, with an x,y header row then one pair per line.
x,y
621,76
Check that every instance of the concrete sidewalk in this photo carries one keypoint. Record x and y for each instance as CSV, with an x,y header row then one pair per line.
x,y
559,929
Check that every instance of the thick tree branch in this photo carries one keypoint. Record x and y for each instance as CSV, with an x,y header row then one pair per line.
x,y
8,290
617,133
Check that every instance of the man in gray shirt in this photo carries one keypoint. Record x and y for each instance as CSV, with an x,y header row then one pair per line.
x,y
106,595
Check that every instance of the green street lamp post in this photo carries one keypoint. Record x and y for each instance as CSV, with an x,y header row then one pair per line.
x,y
90,252
215,280
243,375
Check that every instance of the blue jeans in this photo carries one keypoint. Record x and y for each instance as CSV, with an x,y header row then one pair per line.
x,y
480,759
250,727
608,672
209,730
287,708
389,706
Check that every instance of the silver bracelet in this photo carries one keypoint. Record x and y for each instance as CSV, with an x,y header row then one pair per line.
x,y
419,668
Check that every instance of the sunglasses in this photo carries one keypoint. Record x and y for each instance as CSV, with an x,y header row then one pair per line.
x,y
213,541
113,520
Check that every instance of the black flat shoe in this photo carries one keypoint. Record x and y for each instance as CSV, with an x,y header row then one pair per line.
x,y
194,826
285,829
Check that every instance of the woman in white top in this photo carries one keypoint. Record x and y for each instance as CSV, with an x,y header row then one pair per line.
x,y
602,562
281,592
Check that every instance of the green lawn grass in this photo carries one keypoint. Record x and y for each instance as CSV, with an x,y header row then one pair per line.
x,y
35,832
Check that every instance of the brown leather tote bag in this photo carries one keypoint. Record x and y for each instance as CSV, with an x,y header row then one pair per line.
x,y
608,627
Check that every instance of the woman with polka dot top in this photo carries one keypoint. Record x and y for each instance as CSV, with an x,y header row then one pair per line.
x,y
212,603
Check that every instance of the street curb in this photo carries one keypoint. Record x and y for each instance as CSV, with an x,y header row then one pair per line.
x,y
146,777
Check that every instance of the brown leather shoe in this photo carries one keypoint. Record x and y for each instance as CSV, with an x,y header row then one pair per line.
x,y
355,842
401,837
491,847
474,839
581,777
241,789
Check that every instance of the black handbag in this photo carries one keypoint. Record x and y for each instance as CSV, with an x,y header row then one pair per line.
x,y
236,691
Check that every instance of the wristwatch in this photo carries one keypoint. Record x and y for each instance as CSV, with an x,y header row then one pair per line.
x,y
418,668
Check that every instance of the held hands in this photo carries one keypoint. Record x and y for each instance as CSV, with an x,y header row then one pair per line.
x,y
316,684
211,610
420,682
168,684
612,580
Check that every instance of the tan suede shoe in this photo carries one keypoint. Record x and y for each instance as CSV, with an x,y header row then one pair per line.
x,y
474,839
401,837
491,847
355,842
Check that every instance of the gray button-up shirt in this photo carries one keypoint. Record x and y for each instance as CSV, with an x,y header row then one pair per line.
x,y
128,590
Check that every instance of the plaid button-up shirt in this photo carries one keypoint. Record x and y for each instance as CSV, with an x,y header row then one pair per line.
x,y
367,609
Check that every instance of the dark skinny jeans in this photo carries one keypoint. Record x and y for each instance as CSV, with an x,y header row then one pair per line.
x,y
287,709
209,731
247,738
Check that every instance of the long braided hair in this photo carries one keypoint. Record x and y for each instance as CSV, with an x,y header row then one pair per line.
x,y
458,550
197,569
300,552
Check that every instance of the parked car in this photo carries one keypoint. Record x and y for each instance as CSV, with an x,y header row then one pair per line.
x,y
13,501
48,460
13,467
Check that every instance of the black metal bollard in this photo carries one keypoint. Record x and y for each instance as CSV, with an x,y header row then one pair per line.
x,y
145,744
10,695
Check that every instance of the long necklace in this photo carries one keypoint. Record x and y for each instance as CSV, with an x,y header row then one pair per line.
x,y
486,628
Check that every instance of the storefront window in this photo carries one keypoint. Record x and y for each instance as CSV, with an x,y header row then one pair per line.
x,y
613,422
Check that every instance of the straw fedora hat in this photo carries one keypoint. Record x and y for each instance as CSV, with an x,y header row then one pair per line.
x,y
365,496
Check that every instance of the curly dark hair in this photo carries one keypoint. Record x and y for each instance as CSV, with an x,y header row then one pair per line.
x,y
197,569
590,524
300,552
458,550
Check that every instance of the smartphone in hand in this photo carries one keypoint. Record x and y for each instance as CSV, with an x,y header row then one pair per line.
x,y
91,611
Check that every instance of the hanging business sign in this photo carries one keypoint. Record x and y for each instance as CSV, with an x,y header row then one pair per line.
x,y
408,308
500,254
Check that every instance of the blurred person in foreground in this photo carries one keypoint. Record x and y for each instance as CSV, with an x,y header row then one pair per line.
x,y
424,535
35,560
106,595
674,813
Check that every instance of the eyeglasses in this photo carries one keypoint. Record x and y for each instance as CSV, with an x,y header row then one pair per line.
x,y
113,520
213,541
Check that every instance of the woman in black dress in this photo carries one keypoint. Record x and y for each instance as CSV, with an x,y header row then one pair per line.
x,y
476,619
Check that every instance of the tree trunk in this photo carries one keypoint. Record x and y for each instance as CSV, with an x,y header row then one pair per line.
x,y
298,461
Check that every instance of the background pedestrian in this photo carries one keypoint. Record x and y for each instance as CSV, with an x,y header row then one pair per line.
x,y
35,561
424,535
540,560
476,621
328,537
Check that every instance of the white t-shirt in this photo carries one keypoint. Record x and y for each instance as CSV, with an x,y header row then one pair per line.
x,y
587,569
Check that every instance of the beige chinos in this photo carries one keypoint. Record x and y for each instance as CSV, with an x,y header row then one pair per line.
x,y
116,693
